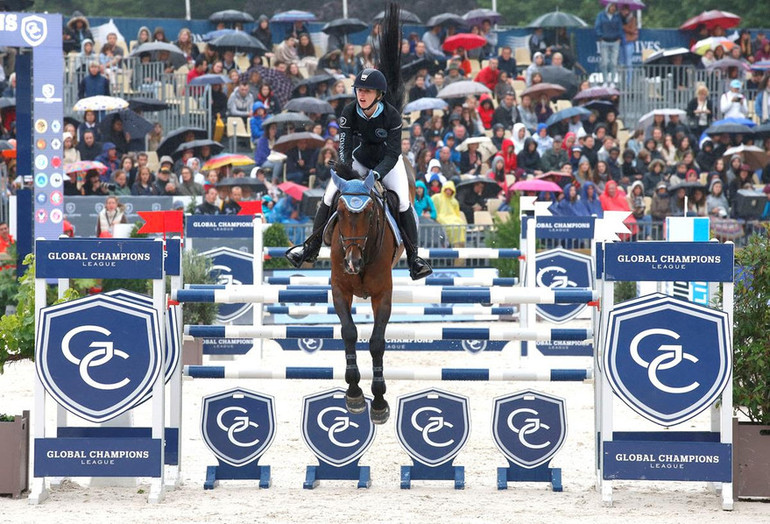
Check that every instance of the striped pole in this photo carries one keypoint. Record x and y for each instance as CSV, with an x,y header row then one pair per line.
x,y
464,253
330,373
401,294
398,281
415,311
401,332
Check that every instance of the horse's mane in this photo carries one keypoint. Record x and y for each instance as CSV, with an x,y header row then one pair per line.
x,y
390,56
346,172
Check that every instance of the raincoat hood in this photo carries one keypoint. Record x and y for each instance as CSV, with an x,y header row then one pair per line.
x,y
434,162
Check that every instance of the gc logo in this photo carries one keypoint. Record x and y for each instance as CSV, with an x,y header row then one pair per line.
x,y
434,424
224,275
670,357
310,344
531,426
340,425
102,354
238,425
560,278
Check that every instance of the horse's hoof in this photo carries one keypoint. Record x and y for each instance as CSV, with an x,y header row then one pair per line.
x,y
380,416
355,405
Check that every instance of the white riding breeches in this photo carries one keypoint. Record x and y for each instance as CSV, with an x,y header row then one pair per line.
x,y
395,181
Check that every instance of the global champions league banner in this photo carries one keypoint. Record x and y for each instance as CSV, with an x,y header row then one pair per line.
x,y
42,33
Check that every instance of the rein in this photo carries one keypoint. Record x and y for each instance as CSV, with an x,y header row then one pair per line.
x,y
361,241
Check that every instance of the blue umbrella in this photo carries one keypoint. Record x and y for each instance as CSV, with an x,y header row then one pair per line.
x,y
566,113
294,16
209,80
211,35
423,104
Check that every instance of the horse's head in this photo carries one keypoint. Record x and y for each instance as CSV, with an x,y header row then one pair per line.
x,y
356,212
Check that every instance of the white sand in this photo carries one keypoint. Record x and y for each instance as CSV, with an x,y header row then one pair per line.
x,y
335,501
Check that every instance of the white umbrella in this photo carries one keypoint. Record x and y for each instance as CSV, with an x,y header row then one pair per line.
x,y
754,156
100,103
486,148
647,118
462,89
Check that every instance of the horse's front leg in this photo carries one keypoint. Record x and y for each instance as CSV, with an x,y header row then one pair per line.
x,y
381,307
354,397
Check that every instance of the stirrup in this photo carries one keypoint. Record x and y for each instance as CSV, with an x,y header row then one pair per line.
x,y
300,254
419,268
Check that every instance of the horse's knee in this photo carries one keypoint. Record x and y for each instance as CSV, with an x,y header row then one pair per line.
x,y
349,333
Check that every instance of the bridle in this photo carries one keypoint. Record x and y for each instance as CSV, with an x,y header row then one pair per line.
x,y
360,242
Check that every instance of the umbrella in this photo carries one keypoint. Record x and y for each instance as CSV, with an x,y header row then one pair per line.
x,y
146,104
209,80
211,35
196,145
754,156
315,80
728,129
664,56
7,149
308,105
286,142
294,16
689,186
288,117
342,96
462,89
230,16
726,63
543,89
762,131
423,104
238,42
486,147
566,113
553,174
646,119
177,137
280,83
536,185
83,166
227,159
762,65
561,76
446,20
293,189
464,40
7,101
133,124
712,19
557,19
594,93
602,107
701,46
633,5
409,69
232,181
344,26
477,16
403,15
176,55
491,188
100,103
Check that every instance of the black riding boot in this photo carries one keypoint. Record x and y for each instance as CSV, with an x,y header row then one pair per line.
x,y
308,251
418,268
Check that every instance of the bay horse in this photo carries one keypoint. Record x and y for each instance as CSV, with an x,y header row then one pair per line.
x,y
363,254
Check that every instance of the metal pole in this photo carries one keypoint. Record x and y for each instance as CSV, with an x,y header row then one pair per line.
x,y
345,8
187,11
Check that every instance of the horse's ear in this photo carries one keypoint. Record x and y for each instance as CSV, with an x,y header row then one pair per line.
x,y
338,181
369,181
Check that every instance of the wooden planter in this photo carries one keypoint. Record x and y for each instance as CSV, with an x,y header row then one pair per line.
x,y
14,456
751,460
192,351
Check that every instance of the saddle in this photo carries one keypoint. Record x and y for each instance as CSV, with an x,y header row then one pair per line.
x,y
392,214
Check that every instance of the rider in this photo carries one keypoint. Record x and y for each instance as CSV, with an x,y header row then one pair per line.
x,y
370,139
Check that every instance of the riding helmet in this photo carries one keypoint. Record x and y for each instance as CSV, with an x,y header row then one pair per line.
x,y
371,78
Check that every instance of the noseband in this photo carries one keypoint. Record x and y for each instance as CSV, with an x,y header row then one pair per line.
x,y
358,202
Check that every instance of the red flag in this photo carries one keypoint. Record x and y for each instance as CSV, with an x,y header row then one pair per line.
x,y
162,222
250,207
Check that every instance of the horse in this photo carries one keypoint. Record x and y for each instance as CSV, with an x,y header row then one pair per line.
x,y
363,254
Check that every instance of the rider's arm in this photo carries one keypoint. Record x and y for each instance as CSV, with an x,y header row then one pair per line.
x,y
392,144
346,135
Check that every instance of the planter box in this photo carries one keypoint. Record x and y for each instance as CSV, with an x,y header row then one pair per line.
x,y
192,351
14,456
751,460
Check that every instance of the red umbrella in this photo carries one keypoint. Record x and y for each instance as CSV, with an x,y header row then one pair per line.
x,y
712,19
536,185
83,166
464,40
293,189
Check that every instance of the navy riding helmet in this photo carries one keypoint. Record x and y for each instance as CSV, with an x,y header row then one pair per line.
x,y
371,78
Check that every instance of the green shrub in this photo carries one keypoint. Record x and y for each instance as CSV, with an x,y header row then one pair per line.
x,y
275,236
506,234
197,270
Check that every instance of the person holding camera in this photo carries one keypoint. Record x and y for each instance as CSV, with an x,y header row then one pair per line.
x,y
112,213
733,102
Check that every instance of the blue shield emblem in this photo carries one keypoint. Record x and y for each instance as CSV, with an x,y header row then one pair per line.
x,y
529,427
334,435
238,425
171,348
34,30
667,358
560,268
231,266
433,425
98,356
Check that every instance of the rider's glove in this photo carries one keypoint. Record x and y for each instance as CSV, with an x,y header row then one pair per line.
x,y
377,176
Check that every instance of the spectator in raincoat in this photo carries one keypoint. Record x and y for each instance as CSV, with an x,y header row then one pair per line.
x,y
448,213
589,200
423,204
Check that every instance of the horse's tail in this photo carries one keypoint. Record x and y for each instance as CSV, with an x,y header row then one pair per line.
x,y
390,56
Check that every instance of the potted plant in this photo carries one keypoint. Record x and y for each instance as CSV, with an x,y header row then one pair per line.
x,y
751,369
14,454
196,270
